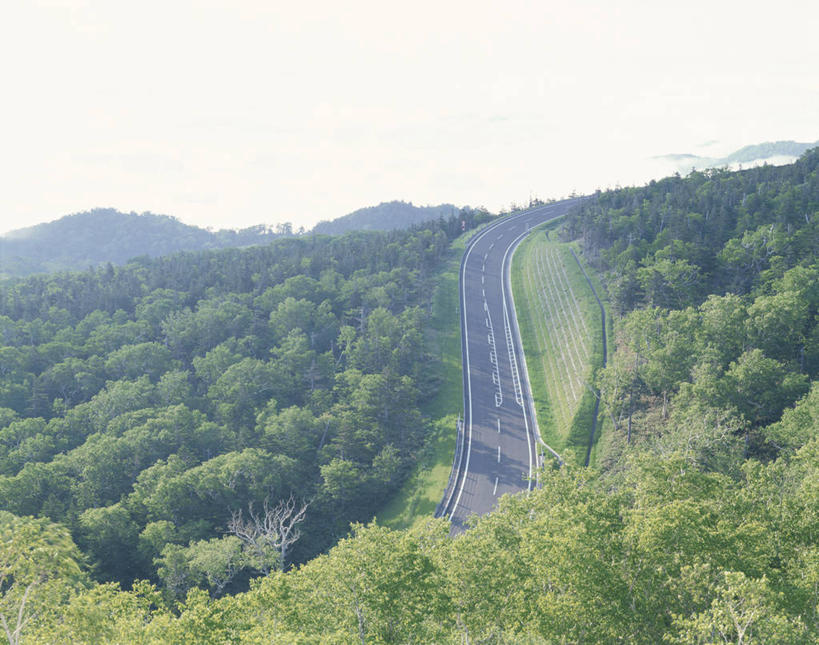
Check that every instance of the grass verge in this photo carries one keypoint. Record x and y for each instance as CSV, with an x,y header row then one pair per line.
x,y
560,326
417,498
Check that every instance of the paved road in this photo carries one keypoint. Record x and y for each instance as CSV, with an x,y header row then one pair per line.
x,y
499,450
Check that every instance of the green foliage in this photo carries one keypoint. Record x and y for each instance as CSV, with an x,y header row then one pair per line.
x,y
662,551
300,368
675,241
39,567
142,405
715,278
209,563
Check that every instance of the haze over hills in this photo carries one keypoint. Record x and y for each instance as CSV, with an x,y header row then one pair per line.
x,y
770,152
91,238
387,216
75,242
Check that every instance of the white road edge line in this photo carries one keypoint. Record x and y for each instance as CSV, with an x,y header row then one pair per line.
x,y
506,273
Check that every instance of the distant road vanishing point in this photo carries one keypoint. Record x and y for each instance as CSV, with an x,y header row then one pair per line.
x,y
497,447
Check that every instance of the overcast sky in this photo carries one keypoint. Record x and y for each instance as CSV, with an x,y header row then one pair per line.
x,y
229,113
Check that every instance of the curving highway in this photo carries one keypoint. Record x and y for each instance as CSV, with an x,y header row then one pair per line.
x,y
497,450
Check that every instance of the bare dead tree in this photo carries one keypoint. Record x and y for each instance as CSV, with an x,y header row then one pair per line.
x,y
268,536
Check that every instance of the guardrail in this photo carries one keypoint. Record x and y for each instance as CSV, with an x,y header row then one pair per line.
x,y
441,509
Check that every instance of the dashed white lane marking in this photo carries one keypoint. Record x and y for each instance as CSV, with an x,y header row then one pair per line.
x,y
482,279
498,454
498,425
495,490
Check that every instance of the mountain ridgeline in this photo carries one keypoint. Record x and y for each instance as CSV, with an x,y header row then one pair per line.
x,y
77,242
146,405
387,216
93,238
755,154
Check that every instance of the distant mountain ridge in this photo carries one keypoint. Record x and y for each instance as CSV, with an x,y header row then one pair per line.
x,y
91,238
102,235
770,151
387,216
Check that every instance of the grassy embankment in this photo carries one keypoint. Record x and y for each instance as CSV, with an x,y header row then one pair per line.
x,y
419,496
560,326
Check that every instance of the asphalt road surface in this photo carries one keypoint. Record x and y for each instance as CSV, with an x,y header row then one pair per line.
x,y
500,435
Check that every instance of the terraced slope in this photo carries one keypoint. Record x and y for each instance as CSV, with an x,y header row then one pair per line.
x,y
561,330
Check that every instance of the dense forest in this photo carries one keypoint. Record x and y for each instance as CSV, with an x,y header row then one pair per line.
x,y
700,526
160,409
83,240
716,280
387,216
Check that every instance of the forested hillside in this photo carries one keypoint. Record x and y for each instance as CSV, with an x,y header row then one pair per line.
x,y
146,406
83,240
699,526
387,216
716,279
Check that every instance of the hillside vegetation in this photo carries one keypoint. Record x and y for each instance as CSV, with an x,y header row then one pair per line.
x,y
146,406
77,242
716,280
699,524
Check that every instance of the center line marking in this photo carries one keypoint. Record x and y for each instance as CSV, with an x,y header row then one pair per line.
x,y
495,490
498,454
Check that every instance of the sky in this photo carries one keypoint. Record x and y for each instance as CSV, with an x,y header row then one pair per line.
x,y
232,113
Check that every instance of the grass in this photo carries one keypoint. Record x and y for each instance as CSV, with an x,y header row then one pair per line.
x,y
420,494
559,321
603,421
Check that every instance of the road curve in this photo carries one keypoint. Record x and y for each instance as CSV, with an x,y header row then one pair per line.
x,y
498,451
